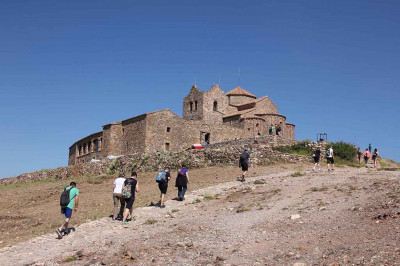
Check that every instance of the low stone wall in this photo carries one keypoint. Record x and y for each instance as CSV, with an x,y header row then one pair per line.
x,y
216,154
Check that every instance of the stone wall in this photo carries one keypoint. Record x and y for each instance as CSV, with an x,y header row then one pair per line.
x,y
239,99
267,106
133,135
86,149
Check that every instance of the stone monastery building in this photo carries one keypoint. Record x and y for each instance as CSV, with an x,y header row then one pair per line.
x,y
208,116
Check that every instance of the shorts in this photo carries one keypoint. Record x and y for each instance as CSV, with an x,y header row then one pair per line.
x,y
66,211
129,203
163,187
316,159
245,166
330,160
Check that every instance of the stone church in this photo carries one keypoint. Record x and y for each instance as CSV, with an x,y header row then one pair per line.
x,y
208,116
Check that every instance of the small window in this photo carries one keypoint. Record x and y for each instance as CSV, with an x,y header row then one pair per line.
x,y
167,146
89,146
191,106
84,148
195,105
123,131
215,106
96,145
168,129
257,125
248,129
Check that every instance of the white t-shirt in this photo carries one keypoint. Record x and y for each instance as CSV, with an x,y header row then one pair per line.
x,y
330,153
119,183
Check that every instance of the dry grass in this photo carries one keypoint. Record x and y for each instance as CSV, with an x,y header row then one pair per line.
x,y
32,209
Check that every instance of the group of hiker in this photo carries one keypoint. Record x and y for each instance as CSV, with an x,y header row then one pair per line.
x,y
330,159
367,155
125,189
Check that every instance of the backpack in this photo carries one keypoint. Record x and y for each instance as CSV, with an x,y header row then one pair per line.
x,y
64,198
127,191
161,177
328,153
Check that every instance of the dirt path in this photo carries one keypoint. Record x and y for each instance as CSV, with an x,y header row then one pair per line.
x,y
343,217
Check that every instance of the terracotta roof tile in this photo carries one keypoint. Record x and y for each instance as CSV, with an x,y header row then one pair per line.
x,y
239,91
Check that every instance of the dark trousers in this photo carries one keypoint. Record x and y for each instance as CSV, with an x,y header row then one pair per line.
x,y
181,192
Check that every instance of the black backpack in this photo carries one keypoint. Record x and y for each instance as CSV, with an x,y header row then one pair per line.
x,y
64,199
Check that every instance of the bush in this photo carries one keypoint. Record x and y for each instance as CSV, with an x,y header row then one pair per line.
x,y
343,150
301,148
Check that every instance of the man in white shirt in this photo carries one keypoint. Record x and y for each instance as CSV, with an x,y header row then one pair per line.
x,y
117,196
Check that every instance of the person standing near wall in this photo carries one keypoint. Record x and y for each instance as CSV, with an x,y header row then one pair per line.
x,y
182,180
67,209
244,163
117,197
271,130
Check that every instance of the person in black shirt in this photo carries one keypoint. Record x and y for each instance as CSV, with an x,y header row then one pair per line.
x,y
317,158
163,186
244,163
133,184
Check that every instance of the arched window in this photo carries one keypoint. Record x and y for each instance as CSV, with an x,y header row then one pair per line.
x,y
191,106
257,124
80,150
89,146
215,106
96,145
84,148
195,105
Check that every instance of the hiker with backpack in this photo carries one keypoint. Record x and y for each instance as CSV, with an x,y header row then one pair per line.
x,y
162,179
182,180
367,155
117,197
317,157
69,202
330,159
244,163
130,188
375,156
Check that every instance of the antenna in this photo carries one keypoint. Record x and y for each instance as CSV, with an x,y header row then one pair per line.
x,y
195,81
238,76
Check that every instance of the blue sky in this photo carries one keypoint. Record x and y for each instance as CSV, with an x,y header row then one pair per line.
x,y
69,67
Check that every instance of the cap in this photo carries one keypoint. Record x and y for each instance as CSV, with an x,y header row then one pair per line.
x,y
121,173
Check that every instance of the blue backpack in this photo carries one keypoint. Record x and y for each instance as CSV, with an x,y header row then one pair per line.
x,y
161,177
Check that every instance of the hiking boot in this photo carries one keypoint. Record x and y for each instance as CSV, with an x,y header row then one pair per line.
x,y
59,233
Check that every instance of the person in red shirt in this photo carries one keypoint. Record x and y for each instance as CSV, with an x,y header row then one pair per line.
x,y
367,155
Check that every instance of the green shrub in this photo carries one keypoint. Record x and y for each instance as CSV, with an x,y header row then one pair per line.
x,y
112,167
343,150
301,148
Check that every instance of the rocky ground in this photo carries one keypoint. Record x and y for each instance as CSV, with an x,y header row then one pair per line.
x,y
285,217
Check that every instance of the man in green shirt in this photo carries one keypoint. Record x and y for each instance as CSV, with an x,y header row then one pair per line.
x,y
67,210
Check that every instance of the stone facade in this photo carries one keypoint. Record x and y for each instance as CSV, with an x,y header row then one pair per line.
x,y
207,117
